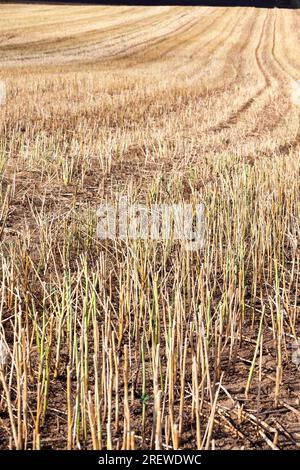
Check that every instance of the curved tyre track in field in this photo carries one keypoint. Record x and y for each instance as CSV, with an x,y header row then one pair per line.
x,y
236,115
293,144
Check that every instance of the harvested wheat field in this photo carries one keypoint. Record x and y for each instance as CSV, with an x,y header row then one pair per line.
x,y
144,343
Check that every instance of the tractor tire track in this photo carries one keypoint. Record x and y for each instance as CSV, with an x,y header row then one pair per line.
x,y
236,115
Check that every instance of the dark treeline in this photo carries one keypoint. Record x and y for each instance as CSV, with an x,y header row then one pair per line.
x,y
222,3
